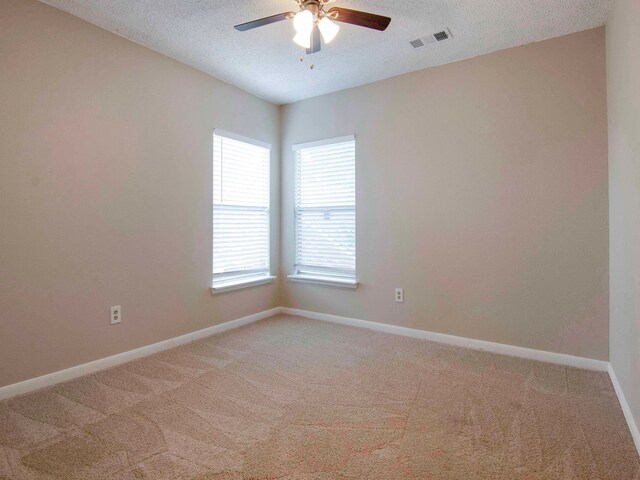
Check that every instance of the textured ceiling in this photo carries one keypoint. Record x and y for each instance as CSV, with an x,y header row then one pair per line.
x,y
267,63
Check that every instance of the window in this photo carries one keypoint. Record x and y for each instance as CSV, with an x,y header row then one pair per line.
x,y
325,212
240,212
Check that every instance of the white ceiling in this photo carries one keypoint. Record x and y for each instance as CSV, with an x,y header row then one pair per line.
x,y
267,63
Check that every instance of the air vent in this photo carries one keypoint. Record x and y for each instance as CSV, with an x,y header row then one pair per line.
x,y
440,36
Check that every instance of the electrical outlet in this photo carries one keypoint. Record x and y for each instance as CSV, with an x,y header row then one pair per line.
x,y
116,315
399,295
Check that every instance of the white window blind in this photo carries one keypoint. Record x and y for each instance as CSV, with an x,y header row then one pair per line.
x,y
240,209
325,209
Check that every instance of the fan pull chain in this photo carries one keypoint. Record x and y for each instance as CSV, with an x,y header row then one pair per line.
x,y
311,67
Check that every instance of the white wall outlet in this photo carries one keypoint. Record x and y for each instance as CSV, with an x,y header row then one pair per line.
x,y
399,295
116,315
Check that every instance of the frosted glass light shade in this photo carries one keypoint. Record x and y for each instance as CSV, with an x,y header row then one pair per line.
x,y
303,21
328,29
303,39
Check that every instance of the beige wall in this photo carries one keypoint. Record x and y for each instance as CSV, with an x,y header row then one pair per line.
x,y
623,76
482,191
105,192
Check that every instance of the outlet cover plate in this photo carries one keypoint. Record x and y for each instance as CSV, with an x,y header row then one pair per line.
x,y
116,314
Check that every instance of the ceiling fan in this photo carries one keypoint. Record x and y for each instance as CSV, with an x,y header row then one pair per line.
x,y
312,21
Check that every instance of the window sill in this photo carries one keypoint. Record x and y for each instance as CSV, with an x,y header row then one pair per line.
x,y
327,281
240,283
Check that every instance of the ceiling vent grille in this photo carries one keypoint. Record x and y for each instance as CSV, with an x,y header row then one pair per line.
x,y
440,36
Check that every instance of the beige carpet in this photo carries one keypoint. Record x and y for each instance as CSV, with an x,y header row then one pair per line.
x,y
290,398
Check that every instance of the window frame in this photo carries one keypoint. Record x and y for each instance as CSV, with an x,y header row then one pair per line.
x,y
229,281
328,278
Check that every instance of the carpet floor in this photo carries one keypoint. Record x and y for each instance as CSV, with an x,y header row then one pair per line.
x,y
296,399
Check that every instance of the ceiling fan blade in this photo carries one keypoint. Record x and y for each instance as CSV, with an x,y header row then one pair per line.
x,y
315,41
362,19
264,21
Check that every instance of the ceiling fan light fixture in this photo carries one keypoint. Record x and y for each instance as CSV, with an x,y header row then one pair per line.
x,y
313,24
328,29
303,22
303,39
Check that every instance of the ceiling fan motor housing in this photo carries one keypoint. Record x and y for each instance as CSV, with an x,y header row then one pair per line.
x,y
314,6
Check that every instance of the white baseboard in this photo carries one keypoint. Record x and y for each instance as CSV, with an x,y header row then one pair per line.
x,y
626,409
500,348
108,362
